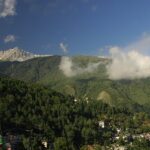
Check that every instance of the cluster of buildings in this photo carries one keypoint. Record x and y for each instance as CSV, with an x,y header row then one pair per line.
x,y
11,142
126,137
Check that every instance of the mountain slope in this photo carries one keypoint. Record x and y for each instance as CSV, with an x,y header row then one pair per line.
x,y
31,110
45,70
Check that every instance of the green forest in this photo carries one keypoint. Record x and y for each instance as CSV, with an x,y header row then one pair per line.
x,y
37,114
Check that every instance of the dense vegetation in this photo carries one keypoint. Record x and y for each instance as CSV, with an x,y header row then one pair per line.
x,y
37,113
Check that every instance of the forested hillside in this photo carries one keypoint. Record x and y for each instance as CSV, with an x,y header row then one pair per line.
x,y
36,113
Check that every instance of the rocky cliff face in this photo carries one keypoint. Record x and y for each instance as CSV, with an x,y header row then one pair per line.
x,y
16,54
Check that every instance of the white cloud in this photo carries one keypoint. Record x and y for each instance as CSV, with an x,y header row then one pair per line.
x,y
130,62
66,66
71,69
63,47
9,38
142,45
7,8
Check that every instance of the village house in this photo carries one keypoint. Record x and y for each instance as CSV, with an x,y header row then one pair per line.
x,y
101,124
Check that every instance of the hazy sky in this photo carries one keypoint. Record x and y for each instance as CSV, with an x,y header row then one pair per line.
x,y
72,26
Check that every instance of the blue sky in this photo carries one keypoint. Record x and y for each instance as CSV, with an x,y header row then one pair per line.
x,y
72,27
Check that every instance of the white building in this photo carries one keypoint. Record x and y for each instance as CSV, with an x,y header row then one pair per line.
x,y
101,124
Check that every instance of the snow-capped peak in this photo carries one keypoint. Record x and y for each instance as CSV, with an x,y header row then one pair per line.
x,y
16,54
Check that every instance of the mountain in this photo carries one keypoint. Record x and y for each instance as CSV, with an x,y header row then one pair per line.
x,y
85,82
16,54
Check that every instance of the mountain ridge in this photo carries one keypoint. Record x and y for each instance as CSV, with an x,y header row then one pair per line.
x,y
46,71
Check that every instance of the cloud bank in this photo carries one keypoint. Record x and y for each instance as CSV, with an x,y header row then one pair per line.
x,y
131,62
63,47
7,8
70,69
9,38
